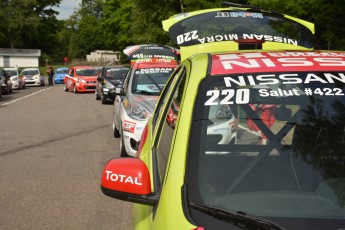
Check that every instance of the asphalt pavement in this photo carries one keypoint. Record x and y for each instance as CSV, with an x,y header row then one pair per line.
x,y
53,147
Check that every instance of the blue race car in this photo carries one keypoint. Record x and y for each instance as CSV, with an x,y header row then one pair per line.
x,y
60,74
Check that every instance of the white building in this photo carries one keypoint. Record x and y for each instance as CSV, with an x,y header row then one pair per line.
x,y
19,57
103,56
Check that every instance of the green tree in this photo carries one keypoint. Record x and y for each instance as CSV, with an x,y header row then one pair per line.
x,y
24,20
116,24
87,32
327,15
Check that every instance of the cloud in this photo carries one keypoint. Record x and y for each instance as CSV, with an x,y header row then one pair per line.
x,y
66,8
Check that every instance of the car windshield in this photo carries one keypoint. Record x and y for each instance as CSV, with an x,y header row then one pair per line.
x,y
150,80
274,149
116,73
61,71
30,72
237,25
86,72
11,73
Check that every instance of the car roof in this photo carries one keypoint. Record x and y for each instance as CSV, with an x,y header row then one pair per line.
x,y
277,61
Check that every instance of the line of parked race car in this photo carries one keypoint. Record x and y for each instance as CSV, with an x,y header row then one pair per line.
x,y
11,79
134,89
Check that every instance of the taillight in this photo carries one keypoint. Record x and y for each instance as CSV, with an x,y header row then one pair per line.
x,y
198,228
142,140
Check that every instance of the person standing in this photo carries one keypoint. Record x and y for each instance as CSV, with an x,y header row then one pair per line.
x,y
50,72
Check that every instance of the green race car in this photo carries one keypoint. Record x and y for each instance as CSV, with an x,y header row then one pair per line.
x,y
284,111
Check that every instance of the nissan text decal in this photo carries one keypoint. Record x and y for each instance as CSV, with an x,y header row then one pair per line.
x,y
277,75
122,178
154,70
277,61
193,36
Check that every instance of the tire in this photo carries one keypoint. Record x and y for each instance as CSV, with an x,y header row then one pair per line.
x,y
97,96
123,152
103,100
75,89
7,90
116,131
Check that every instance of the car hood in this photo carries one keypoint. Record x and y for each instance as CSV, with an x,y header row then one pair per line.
x,y
88,78
149,102
60,75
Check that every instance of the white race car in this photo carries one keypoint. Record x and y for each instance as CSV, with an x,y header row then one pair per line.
x,y
33,77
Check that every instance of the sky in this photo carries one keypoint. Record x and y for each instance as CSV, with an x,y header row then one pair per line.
x,y
66,8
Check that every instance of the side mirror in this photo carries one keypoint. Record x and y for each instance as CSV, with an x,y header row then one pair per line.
x,y
128,179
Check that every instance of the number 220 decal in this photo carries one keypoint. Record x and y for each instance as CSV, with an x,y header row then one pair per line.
x,y
239,96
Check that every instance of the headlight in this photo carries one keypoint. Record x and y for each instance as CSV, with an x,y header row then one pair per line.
x,y
14,78
137,112
36,77
81,80
224,112
108,85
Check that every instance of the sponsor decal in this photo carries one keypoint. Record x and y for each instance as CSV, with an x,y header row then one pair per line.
x,y
263,82
122,178
279,61
193,35
154,70
129,126
238,15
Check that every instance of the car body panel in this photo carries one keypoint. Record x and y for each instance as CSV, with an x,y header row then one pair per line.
x,y
81,79
60,74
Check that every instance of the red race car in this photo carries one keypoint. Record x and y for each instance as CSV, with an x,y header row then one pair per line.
x,y
81,79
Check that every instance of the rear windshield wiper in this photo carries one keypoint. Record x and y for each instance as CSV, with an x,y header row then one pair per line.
x,y
237,218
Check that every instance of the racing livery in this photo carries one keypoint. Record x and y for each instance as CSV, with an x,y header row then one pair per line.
x,y
152,53
292,180
136,100
284,106
239,27
81,79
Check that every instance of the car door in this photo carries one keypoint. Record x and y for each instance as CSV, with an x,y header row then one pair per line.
x,y
162,139
69,79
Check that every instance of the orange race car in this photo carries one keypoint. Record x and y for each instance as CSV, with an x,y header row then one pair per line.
x,y
81,79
